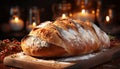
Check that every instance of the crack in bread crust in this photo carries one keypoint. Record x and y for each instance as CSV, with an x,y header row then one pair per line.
x,y
64,37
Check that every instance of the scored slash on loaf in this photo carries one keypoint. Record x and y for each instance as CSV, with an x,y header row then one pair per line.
x,y
64,37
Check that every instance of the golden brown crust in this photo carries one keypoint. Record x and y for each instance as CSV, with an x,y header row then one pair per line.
x,y
64,37
49,34
52,51
45,51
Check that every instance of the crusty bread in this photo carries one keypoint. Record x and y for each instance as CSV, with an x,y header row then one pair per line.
x,y
64,37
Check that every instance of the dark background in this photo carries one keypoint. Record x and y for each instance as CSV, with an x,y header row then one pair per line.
x,y
43,5
46,14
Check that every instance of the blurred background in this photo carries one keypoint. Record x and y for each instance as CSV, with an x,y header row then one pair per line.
x,y
106,14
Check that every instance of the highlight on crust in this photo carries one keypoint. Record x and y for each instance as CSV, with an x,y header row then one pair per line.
x,y
64,37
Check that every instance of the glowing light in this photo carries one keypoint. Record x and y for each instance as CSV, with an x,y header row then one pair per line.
x,y
34,24
83,11
107,18
70,14
88,23
16,23
93,12
16,19
63,16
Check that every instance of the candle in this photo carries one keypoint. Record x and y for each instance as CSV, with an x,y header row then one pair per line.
x,y
31,26
83,12
16,20
34,24
64,16
85,15
107,19
16,23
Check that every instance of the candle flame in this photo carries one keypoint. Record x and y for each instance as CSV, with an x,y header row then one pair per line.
x,y
107,18
83,11
63,16
93,12
34,24
16,19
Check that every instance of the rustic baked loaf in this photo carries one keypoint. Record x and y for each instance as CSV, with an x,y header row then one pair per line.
x,y
64,37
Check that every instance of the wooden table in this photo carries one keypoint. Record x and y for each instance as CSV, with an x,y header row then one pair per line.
x,y
114,64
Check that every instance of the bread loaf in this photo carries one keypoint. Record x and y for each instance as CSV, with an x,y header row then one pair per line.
x,y
64,37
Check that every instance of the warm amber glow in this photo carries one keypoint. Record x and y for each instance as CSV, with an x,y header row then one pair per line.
x,y
31,26
88,23
107,18
97,12
93,12
110,12
16,23
34,24
63,16
16,19
83,11
70,14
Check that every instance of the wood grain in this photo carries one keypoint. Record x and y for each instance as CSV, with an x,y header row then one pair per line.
x,y
21,60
